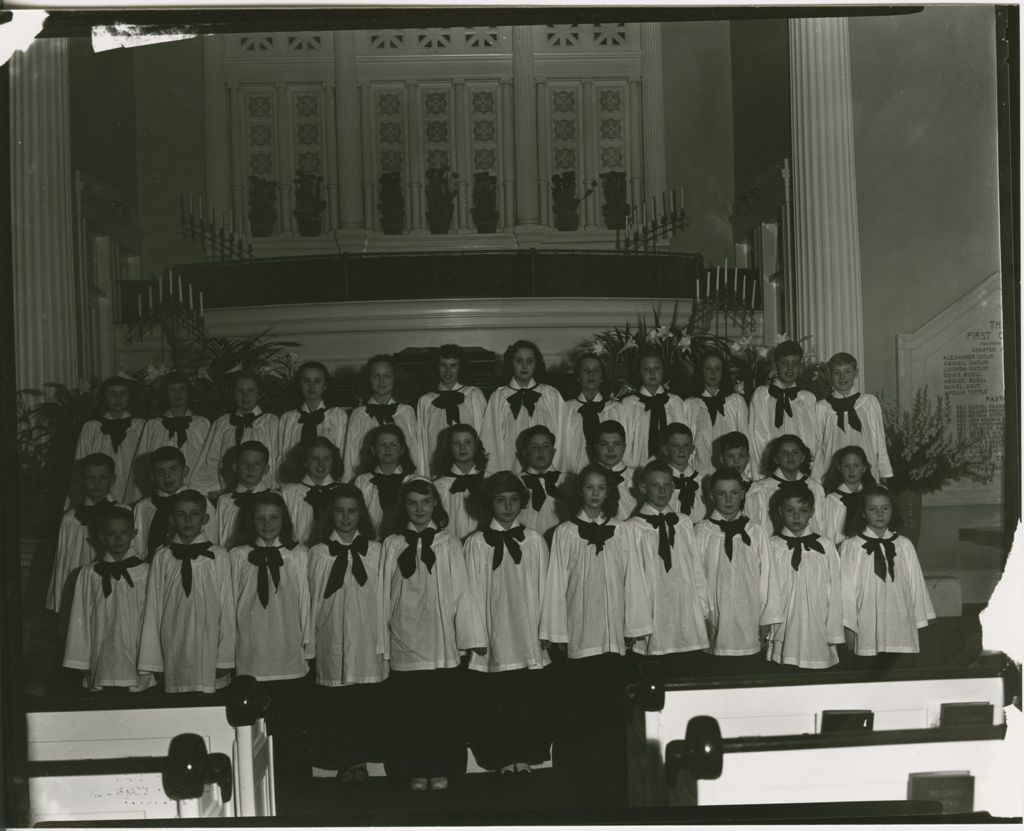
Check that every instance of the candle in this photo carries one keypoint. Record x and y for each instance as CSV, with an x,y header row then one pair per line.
x,y
139,298
200,302
664,203
674,203
744,297
181,299
718,279
200,206
682,204
697,281
151,300
707,283
191,302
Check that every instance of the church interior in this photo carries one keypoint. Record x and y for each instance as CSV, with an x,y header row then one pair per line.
x,y
377,186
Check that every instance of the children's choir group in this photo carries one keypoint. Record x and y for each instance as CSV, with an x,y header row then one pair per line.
x,y
430,563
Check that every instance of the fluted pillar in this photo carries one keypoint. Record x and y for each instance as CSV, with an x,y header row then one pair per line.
x,y
827,244
348,119
45,313
525,92
508,156
653,97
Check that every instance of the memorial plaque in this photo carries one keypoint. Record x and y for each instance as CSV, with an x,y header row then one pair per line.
x,y
959,353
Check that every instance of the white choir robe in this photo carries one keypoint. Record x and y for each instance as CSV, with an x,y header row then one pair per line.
x,y
228,515
697,418
637,421
300,510
743,593
428,618
509,601
91,440
627,490
762,429
679,596
811,600
759,496
346,627
431,421
144,511
833,515
74,549
360,423
594,601
103,632
551,514
364,481
155,435
500,429
575,455
272,644
207,475
462,521
871,436
884,616
189,638
289,435
699,509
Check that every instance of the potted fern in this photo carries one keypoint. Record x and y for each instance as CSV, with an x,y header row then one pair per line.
x,y
440,199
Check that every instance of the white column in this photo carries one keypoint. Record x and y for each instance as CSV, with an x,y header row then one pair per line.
x,y
636,144
541,149
827,245
238,159
370,215
462,163
653,96
349,114
218,165
525,125
45,317
508,156
414,145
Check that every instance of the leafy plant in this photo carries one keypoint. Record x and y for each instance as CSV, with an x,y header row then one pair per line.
x,y
565,202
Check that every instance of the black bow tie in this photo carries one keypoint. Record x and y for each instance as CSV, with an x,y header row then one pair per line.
x,y
384,413
523,398
850,500
407,559
655,405
789,483
115,571
267,558
88,514
590,412
241,423
177,428
243,499
884,552
797,545
783,402
449,401
500,540
187,553
116,428
542,485
387,485
309,422
159,524
715,404
844,407
468,482
615,478
687,487
318,497
732,528
594,533
341,552
666,525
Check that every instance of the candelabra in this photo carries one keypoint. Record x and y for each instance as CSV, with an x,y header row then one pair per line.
x,y
643,231
725,295
220,240
173,311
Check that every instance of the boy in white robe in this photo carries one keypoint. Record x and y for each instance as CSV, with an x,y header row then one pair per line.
x,y
168,472
250,467
506,566
546,506
687,494
393,466
645,413
309,501
188,629
781,407
608,452
717,410
584,414
107,609
733,451
247,423
521,403
177,427
791,465
312,419
451,403
464,460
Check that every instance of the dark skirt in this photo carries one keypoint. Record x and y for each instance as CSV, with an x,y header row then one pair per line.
x,y
429,726
511,717
348,726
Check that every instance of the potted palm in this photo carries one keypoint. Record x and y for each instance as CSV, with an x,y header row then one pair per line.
x,y
485,202
262,206
391,205
565,202
440,199
309,207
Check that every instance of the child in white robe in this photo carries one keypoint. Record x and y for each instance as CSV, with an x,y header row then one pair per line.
x,y
646,412
388,466
76,536
546,506
810,588
344,591
848,474
676,448
781,407
188,629
608,452
249,467
743,592
846,417
673,576
248,422
717,410
584,413
521,403
312,419
451,403
116,434
733,451
309,501
786,462
274,630
885,599
177,427
506,565
427,619
107,609
380,408
464,461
